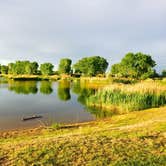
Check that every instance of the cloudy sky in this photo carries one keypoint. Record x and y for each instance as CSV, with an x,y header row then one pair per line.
x,y
47,30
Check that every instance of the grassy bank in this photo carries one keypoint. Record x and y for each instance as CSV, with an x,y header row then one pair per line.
x,y
31,77
137,138
132,97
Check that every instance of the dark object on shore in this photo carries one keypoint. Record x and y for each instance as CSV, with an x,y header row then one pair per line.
x,y
31,117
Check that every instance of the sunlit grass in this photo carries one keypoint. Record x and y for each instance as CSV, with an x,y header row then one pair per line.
x,y
130,97
137,138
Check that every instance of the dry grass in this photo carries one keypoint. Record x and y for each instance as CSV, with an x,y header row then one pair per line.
x,y
137,138
132,97
141,87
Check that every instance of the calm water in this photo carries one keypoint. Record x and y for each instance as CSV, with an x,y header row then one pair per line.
x,y
60,102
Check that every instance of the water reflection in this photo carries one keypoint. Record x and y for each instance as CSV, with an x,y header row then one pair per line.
x,y
23,87
64,90
101,114
57,95
82,92
3,80
46,87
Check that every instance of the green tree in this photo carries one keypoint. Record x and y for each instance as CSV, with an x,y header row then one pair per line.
x,y
91,66
164,73
65,66
31,68
4,69
137,65
20,67
46,68
23,67
116,69
11,68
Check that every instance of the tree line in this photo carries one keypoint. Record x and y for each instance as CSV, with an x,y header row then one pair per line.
x,y
133,65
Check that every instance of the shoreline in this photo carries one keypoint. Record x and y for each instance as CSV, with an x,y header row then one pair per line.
x,y
60,126
36,129
108,139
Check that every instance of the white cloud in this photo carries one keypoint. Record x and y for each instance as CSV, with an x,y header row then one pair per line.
x,y
49,30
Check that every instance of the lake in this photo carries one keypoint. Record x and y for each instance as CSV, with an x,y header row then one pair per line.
x,y
56,102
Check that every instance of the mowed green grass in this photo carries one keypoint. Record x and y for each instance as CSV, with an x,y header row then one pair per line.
x,y
133,139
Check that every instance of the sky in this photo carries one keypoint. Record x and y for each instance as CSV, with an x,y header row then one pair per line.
x,y
48,30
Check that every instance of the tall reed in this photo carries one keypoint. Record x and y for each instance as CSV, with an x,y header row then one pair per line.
x,y
129,97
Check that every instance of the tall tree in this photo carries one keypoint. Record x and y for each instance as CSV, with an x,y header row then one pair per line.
x,y
91,66
23,67
11,68
4,69
65,66
46,68
31,68
137,65
164,73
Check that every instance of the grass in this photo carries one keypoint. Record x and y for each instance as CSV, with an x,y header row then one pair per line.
x,y
136,138
31,77
124,98
100,82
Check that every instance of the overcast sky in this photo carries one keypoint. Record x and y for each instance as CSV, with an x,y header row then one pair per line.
x,y
47,30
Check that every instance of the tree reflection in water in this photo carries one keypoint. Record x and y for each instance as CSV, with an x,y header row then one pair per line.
x,y
64,90
46,87
23,87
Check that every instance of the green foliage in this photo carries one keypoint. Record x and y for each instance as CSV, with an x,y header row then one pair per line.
x,y
65,66
46,68
129,101
31,68
91,66
137,65
164,73
23,67
4,69
56,126
129,97
116,69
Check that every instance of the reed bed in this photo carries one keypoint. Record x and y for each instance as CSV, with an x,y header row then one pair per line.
x,y
131,97
141,87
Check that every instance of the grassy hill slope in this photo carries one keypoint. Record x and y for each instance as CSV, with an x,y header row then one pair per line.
x,y
136,138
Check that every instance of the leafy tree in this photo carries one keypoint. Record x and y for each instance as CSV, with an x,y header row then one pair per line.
x,y
65,66
19,67
31,68
116,69
137,65
11,68
164,73
46,68
4,69
23,67
91,66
